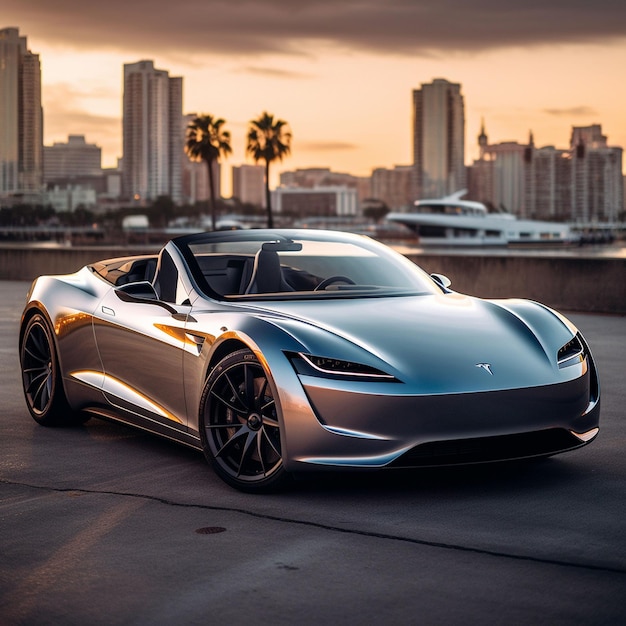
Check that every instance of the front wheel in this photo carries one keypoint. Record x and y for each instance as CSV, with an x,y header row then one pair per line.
x,y
240,425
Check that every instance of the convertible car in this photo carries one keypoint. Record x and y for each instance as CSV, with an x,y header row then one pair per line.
x,y
275,352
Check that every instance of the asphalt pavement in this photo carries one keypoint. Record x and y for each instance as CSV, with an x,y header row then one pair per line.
x,y
102,524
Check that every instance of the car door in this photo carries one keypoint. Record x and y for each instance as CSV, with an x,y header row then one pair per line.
x,y
141,345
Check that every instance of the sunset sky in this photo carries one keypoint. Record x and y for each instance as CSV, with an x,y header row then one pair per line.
x,y
341,73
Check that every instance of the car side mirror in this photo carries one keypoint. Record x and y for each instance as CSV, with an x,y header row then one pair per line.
x,y
441,280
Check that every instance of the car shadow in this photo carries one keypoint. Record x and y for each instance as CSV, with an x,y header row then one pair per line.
x,y
517,476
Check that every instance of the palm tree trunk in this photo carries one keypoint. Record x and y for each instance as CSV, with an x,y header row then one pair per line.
x,y
212,194
268,196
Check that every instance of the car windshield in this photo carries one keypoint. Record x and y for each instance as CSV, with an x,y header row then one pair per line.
x,y
298,264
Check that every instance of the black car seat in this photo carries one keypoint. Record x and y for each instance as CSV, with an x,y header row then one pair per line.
x,y
267,276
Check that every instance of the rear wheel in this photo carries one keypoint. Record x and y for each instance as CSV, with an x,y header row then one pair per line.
x,y
240,426
41,376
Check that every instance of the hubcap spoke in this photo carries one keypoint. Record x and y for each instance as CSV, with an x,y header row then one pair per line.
x,y
42,394
245,453
259,450
270,442
224,401
235,393
40,344
269,414
232,440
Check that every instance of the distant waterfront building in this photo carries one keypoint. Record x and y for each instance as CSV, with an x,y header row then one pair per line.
x,y
153,134
597,183
334,201
394,186
112,183
195,181
438,139
249,184
72,159
581,184
68,198
314,177
504,177
507,176
21,116
548,194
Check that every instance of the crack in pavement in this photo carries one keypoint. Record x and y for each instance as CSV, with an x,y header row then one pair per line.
x,y
328,527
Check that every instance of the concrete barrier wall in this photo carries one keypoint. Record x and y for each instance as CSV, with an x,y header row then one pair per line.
x,y
567,283
26,263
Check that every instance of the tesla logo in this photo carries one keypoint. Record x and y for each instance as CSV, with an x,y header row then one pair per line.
x,y
485,366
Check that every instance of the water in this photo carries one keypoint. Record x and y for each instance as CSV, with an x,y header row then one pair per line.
x,y
606,251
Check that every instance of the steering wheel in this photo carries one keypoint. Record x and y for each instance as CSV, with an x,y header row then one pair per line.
x,y
331,280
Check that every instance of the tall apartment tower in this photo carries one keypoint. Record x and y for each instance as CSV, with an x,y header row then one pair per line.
x,y
597,181
438,139
393,186
153,136
21,116
249,184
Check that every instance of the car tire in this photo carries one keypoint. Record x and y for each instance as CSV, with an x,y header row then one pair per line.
x,y
41,376
240,425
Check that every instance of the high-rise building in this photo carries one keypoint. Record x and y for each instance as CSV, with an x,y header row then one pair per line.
x,y
393,186
249,184
597,188
581,184
196,181
72,159
153,137
548,183
21,116
438,139
507,162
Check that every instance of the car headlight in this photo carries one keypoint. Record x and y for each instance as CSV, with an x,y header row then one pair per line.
x,y
572,352
311,365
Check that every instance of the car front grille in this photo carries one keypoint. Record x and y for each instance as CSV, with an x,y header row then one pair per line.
x,y
486,449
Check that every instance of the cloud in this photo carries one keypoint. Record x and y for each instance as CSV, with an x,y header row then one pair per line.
x,y
252,27
273,72
67,94
577,111
75,121
326,146
66,113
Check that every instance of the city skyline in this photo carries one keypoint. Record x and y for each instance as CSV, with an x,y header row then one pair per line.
x,y
345,90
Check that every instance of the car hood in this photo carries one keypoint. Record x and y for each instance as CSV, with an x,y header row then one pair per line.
x,y
440,343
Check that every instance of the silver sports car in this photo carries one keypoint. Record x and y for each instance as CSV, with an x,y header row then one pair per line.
x,y
281,351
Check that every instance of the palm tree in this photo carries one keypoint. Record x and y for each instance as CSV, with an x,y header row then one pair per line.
x,y
268,140
207,141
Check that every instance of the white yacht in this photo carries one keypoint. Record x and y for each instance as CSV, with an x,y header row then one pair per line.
x,y
453,221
